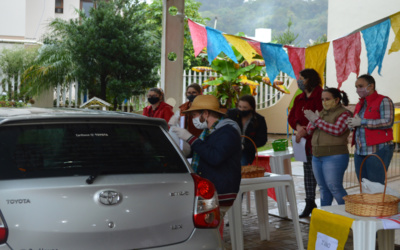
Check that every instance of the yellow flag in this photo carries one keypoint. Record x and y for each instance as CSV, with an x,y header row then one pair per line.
x,y
332,225
395,22
242,46
316,58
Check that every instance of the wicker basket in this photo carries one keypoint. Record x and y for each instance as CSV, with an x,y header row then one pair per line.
x,y
252,171
380,204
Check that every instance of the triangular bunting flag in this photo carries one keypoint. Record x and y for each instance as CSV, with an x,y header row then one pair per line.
x,y
216,43
297,57
347,52
255,45
316,58
395,22
199,37
242,46
376,40
276,60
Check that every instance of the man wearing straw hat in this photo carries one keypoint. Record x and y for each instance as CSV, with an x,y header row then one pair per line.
x,y
217,151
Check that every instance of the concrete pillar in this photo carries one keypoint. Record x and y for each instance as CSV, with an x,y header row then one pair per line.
x,y
172,42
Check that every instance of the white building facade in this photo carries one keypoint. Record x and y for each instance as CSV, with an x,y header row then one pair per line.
x,y
28,20
345,17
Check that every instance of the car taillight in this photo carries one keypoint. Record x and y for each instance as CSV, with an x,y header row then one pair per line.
x,y
206,212
3,230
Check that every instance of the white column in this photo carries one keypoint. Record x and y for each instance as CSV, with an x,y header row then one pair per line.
x,y
172,41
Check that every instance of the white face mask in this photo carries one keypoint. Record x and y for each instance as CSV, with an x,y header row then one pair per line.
x,y
198,124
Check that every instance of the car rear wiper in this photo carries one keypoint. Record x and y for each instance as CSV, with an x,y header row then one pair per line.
x,y
93,177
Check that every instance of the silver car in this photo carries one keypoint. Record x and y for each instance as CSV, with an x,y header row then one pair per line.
x,y
81,179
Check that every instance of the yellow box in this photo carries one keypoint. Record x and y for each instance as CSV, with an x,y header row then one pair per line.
x,y
396,126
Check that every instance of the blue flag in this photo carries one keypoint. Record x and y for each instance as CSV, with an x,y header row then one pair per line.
x,y
276,59
376,40
216,43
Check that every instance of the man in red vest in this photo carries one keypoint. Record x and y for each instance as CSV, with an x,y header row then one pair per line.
x,y
372,134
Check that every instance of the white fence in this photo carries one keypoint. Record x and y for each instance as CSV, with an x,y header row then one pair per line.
x,y
266,95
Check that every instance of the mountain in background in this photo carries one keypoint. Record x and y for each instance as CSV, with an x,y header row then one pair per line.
x,y
309,18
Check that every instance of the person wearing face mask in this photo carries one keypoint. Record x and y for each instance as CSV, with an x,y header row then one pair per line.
x,y
329,144
157,108
192,91
372,130
310,83
251,124
217,151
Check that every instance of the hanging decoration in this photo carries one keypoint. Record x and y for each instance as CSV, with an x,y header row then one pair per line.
x,y
395,21
376,40
297,57
316,58
242,46
216,43
276,59
347,51
199,37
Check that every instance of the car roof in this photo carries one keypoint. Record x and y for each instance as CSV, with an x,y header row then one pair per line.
x,y
8,115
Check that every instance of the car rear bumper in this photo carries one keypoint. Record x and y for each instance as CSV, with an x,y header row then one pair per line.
x,y
200,239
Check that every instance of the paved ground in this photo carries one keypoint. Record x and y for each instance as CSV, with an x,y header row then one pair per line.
x,y
282,232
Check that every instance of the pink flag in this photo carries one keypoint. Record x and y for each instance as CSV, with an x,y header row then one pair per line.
x,y
199,37
297,57
347,52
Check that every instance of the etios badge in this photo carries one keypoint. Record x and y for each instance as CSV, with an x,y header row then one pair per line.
x,y
109,198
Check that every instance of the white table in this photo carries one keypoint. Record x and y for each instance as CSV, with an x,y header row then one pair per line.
x,y
365,229
277,166
260,186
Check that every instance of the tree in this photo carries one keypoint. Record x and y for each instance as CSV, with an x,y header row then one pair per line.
x,y
288,37
51,67
107,52
13,62
154,18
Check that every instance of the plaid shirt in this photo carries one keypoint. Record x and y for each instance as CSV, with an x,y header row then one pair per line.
x,y
336,129
386,121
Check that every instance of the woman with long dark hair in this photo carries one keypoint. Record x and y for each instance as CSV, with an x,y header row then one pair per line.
x,y
251,124
310,83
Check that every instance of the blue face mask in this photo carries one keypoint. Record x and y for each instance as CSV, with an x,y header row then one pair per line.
x,y
301,84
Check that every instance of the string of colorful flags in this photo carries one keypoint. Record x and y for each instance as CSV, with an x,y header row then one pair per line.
x,y
346,50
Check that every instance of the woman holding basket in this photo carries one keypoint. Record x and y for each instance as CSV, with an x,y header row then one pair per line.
x,y
251,124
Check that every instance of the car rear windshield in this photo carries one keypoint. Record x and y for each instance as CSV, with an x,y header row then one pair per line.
x,y
35,151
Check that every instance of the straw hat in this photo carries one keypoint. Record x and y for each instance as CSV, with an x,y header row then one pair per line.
x,y
202,102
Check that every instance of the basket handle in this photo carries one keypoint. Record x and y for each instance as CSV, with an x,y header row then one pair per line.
x,y
255,146
384,167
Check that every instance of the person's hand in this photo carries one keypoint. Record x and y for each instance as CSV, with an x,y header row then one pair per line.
x,y
173,121
354,122
310,115
181,133
301,132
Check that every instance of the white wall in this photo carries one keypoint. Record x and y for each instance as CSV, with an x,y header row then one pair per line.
x,y
346,16
12,18
39,13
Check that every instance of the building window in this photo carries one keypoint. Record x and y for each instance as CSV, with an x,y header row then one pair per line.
x,y
86,5
59,6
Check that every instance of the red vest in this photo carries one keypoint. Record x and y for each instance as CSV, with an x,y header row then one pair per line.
x,y
373,136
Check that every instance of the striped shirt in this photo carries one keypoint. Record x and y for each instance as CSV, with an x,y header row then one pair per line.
x,y
386,110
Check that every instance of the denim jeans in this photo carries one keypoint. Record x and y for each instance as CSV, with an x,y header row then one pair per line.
x,y
329,172
372,168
